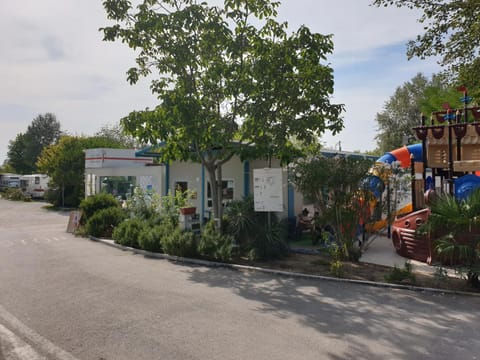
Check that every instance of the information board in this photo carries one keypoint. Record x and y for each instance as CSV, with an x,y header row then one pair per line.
x,y
73,221
268,189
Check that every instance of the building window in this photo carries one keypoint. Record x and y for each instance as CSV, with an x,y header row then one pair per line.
x,y
227,192
181,185
119,186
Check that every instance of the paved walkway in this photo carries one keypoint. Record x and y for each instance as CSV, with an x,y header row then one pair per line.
x,y
380,251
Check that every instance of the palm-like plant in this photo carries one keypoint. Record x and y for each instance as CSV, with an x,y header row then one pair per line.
x,y
456,227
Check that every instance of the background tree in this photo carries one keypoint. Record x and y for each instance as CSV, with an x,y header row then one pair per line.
x,y
64,163
403,110
468,76
16,154
23,152
333,185
451,32
228,77
118,135
6,168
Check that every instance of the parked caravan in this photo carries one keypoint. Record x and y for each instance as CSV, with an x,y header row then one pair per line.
x,y
9,181
34,185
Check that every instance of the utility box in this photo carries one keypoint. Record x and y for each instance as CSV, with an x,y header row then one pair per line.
x,y
189,222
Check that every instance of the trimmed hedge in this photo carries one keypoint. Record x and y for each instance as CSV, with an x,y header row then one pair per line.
x,y
128,232
92,204
103,222
179,243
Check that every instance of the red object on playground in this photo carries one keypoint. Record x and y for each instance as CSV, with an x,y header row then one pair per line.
x,y
403,155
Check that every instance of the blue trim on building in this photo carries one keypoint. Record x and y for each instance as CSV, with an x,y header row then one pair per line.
x,y
202,196
167,178
291,201
246,178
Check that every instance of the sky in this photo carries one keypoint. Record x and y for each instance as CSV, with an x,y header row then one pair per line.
x,y
54,60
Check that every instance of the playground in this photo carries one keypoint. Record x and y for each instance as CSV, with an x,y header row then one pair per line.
x,y
445,161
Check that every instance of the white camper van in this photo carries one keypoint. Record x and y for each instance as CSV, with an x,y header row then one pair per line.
x,y
9,181
34,185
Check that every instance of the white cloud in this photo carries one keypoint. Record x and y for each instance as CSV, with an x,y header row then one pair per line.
x,y
54,60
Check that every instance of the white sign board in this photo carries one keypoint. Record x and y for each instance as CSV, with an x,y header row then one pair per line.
x,y
268,189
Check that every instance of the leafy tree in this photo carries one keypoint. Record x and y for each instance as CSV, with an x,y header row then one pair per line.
x,y
6,167
451,32
16,154
228,77
25,149
403,110
455,227
468,75
117,134
64,163
333,185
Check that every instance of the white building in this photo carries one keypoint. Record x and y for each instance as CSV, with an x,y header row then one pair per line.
x,y
119,171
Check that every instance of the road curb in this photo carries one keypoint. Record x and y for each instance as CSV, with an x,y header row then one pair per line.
x,y
214,264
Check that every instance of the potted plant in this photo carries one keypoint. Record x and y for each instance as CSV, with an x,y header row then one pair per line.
x,y
183,200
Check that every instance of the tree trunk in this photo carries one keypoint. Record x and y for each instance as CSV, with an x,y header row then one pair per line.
x,y
215,177
220,193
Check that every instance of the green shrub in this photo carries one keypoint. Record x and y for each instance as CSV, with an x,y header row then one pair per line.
x,y
241,220
128,232
214,245
16,194
102,223
397,275
270,242
150,238
143,204
455,225
179,243
336,268
251,232
68,197
92,204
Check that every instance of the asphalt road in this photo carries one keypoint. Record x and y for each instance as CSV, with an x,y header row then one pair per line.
x,y
63,297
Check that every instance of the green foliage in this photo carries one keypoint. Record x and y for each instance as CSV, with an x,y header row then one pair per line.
x,y
103,222
156,209
16,158
336,268
403,109
270,242
116,134
129,232
64,163
179,243
7,168
337,254
399,276
231,76
215,245
241,220
251,231
143,204
468,75
150,238
92,204
26,148
334,186
440,276
455,226
450,30
16,194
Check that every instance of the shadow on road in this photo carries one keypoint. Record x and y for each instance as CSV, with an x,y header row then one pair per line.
x,y
403,324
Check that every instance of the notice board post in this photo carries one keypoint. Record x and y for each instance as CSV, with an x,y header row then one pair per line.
x,y
268,189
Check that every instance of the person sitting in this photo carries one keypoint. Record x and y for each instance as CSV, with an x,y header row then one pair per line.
x,y
304,222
